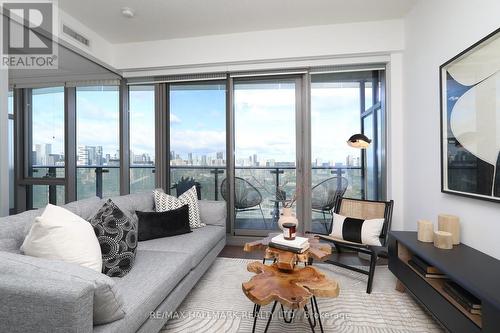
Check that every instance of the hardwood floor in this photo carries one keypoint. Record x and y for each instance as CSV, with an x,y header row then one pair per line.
x,y
348,258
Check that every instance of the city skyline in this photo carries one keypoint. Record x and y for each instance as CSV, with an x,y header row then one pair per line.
x,y
197,123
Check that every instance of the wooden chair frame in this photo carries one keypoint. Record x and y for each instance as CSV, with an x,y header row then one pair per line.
x,y
373,251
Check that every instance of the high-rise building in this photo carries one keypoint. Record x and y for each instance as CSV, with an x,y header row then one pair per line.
x,y
48,151
90,155
83,156
38,154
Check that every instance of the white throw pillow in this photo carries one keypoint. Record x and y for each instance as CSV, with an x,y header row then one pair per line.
x,y
165,202
61,235
357,230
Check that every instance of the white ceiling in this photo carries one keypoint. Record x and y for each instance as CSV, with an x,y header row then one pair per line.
x,y
166,19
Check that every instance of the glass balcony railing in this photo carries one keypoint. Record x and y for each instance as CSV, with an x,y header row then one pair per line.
x,y
272,183
142,178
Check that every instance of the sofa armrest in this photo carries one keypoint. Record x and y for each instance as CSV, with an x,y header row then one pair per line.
x,y
32,304
213,212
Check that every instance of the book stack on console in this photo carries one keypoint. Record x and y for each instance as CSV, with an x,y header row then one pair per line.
x,y
298,245
468,301
426,270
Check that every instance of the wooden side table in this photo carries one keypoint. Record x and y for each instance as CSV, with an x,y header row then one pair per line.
x,y
291,288
285,283
287,260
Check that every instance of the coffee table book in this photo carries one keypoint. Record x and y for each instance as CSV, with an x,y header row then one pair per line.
x,y
429,269
462,296
288,248
424,273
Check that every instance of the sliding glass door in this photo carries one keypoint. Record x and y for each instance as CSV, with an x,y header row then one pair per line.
x,y
265,154
343,104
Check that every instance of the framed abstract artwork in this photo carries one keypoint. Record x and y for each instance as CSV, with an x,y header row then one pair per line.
x,y
470,121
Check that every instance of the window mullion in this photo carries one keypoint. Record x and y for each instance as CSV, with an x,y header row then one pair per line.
x,y
70,143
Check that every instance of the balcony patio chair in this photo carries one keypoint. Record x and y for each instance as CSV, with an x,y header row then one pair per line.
x,y
362,209
325,194
246,196
185,184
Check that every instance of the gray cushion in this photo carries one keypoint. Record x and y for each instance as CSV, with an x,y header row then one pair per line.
x,y
213,212
197,243
43,305
108,304
138,201
13,229
85,208
153,277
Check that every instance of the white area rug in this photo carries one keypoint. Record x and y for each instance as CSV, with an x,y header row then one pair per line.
x,y
217,304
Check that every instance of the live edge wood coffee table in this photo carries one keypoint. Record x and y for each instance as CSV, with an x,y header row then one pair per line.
x,y
286,283
287,260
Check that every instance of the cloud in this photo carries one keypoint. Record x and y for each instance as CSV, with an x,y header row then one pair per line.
x,y
202,142
174,119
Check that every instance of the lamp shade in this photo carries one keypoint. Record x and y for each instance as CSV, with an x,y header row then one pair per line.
x,y
359,141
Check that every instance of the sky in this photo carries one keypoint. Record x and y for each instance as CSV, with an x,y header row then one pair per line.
x,y
264,120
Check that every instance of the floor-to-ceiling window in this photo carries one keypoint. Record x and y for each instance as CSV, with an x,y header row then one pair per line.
x,y
46,137
272,132
142,138
98,143
264,151
343,104
198,137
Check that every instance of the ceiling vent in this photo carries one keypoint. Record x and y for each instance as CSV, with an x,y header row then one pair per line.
x,y
76,36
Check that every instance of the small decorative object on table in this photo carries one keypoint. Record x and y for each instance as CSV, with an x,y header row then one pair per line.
x,y
451,224
425,231
287,216
289,230
443,240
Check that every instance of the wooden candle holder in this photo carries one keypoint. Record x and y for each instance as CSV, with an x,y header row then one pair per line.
x,y
451,224
443,240
425,231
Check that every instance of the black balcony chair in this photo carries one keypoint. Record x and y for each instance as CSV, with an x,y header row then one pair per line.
x,y
185,184
362,209
246,196
325,194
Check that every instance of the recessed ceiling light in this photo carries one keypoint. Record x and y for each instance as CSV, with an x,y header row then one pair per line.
x,y
128,12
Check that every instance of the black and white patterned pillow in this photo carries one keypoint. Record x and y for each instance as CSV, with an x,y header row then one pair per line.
x,y
117,236
165,202
357,230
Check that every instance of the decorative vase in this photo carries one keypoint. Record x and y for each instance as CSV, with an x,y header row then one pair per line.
x,y
287,216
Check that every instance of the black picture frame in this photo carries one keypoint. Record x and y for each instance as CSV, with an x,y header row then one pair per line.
x,y
444,123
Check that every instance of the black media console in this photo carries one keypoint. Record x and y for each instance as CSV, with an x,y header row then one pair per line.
x,y
475,271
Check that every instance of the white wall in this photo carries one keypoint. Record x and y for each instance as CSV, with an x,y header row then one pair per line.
x,y
395,144
296,43
435,32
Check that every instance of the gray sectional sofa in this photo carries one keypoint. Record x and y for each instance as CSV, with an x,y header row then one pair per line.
x,y
165,270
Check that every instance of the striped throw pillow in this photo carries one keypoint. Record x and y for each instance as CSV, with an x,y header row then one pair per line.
x,y
350,229
165,202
